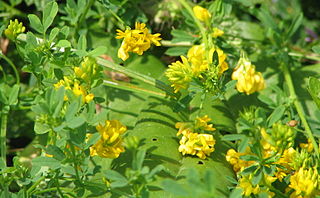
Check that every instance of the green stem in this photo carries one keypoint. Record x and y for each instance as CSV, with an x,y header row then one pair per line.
x,y
12,65
147,79
198,23
75,164
130,87
57,184
3,134
122,23
298,106
84,14
310,57
165,43
67,190
29,191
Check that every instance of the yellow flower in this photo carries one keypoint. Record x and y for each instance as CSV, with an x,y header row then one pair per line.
x,y
223,65
305,183
247,187
88,70
179,74
286,160
217,32
196,56
137,40
14,29
200,145
79,90
199,63
184,128
233,157
201,13
307,146
110,143
76,88
202,123
249,81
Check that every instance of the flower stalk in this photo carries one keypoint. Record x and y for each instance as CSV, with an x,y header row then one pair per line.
x,y
298,106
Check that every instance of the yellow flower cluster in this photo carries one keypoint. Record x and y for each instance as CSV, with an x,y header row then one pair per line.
x,y
88,70
180,73
199,144
76,88
217,32
305,182
14,29
233,157
110,144
249,81
137,40
201,13
248,188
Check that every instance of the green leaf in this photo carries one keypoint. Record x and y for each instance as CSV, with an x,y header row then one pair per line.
x,y
49,12
82,43
76,122
98,51
276,115
181,36
56,152
59,99
35,23
72,109
117,179
296,23
250,30
41,128
174,188
92,140
13,96
314,90
265,17
54,32
63,43
316,49
46,161
232,137
138,160
177,51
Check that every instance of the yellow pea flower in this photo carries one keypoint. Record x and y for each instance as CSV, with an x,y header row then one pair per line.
x,y
201,145
137,40
179,74
249,81
14,29
305,182
110,144
217,32
201,13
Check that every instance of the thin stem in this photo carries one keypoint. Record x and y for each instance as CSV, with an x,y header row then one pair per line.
x,y
75,165
29,191
67,190
84,14
3,134
198,23
147,79
12,66
57,184
166,43
122,23
298,106
130,87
